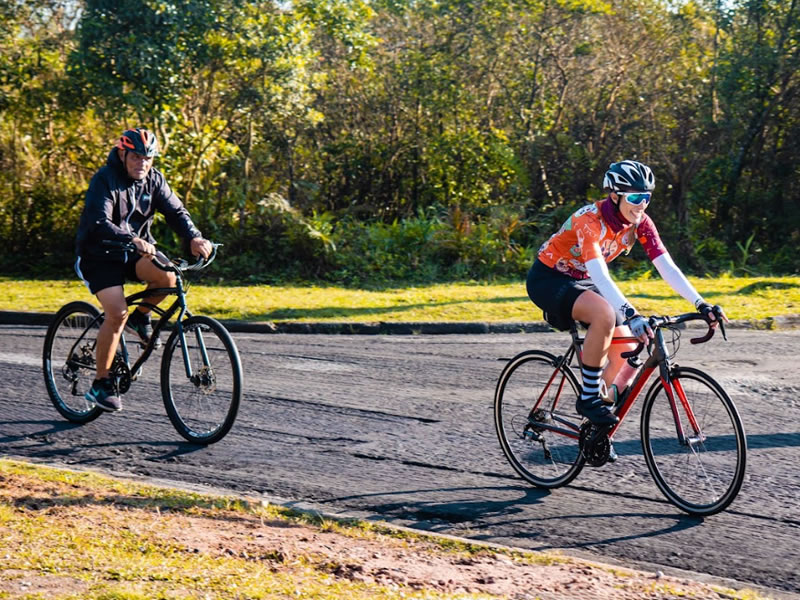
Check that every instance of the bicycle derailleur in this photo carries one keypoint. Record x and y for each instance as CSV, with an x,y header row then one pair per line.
x,y
595,445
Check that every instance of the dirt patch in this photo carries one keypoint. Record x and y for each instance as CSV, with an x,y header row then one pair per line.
x,y
17,583
421,564
408,562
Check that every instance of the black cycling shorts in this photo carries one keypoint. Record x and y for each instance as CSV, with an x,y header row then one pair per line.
x,y
555,293
101,274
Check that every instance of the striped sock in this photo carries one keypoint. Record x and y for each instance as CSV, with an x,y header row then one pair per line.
x,y
591,381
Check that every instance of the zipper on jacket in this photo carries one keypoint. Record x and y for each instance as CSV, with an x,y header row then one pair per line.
x,y
130,213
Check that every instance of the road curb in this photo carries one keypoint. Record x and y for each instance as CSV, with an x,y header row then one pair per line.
x,y
781,322
385,328
9,317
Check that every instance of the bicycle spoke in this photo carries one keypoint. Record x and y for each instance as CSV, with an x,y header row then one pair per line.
x,y
702,472
69,361
536,421
202,406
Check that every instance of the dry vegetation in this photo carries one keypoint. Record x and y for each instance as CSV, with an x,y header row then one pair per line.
x,y
67,535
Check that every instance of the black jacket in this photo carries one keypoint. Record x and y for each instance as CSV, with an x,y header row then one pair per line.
x,y
120,208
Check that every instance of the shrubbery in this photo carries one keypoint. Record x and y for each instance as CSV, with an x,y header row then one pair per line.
x,y
376,142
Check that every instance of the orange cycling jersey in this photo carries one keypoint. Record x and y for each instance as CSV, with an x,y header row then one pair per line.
x,y
596,231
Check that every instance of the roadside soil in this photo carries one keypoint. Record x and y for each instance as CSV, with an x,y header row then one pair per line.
x,y
401,560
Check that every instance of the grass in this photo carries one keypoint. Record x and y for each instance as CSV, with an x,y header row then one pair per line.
x,y
746,298
90,537
67,535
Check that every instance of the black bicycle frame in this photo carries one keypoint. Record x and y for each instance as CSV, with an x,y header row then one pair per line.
x,y
165,315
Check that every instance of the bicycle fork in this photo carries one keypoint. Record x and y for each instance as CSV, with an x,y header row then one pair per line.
x,y
187,364
673,389
677,397
204,375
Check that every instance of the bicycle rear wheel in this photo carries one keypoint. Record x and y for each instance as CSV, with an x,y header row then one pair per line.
x,y
68,361
202,407
536,421
703,474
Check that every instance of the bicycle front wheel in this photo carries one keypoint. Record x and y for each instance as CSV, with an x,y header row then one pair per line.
x,y
536,421
68,361
202,394
702,473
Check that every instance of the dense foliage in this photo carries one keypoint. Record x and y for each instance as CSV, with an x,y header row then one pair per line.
x,y
369,141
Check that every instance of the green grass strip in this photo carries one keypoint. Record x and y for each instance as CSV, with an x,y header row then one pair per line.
x,y
746,298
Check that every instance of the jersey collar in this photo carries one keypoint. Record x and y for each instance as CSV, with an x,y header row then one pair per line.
x,y
612,215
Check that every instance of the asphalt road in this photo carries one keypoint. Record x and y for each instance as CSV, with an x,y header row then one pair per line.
x,y
399,428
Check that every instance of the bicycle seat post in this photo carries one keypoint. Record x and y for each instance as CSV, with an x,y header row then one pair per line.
x,y
577,343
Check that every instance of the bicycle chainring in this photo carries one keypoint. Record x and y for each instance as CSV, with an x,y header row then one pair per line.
x,y
595,452
121,373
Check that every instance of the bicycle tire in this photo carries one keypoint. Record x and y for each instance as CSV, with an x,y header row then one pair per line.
x,y
544,458
68,380
704,476
203,410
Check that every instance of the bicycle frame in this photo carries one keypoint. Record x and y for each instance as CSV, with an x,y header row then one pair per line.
x,y
165,315
685,433
658,359
178,306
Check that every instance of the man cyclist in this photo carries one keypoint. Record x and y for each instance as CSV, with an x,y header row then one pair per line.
x,y
569,281
121,201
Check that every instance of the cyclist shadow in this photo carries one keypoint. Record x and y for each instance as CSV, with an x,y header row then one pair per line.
x,y
681,523
475,515
52,447
176,448
55,426
434,515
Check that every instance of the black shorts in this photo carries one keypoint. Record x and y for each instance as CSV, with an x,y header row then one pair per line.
x,y
101,274
555,293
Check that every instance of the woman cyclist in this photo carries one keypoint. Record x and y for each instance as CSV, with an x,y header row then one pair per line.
x,y
570,281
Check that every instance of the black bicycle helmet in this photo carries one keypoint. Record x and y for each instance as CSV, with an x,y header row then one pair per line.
x,y
629,176
139,140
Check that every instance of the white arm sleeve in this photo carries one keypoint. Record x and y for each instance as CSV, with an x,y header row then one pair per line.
x,y
670,272
598,271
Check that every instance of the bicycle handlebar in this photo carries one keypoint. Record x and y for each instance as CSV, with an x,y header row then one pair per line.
x,y
666,321
181,266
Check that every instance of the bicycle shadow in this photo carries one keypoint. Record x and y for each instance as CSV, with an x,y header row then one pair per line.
x,y
177,448
682,522
448,513
55,426
719,443
54,448
471,516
